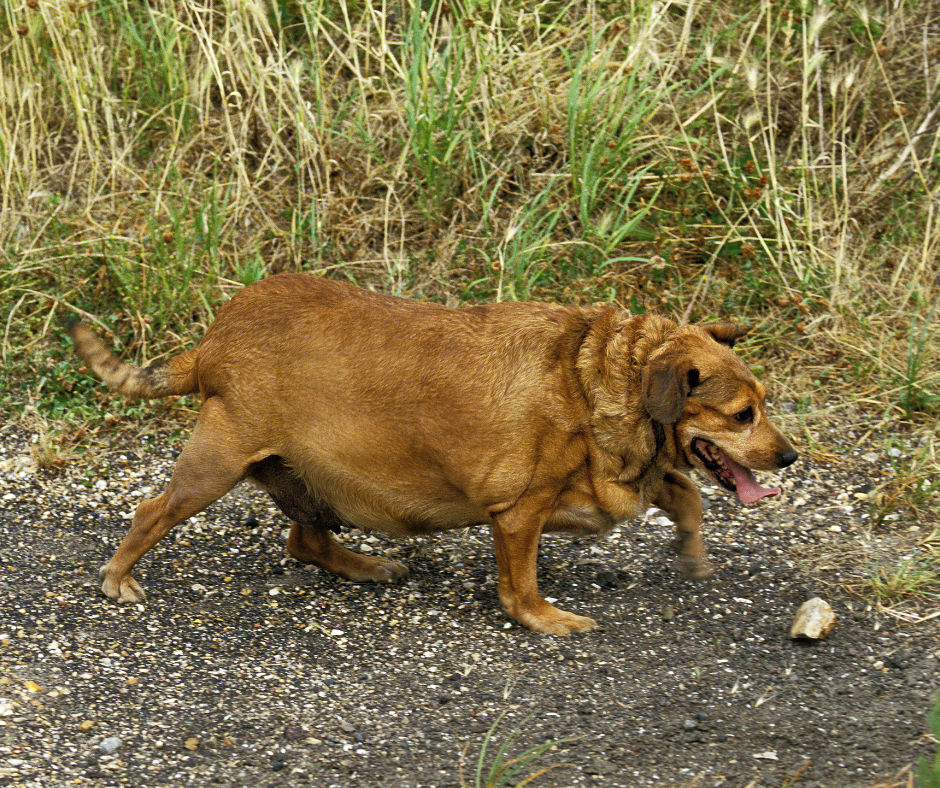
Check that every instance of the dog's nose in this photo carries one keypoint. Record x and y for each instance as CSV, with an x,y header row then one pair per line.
x,y
788,458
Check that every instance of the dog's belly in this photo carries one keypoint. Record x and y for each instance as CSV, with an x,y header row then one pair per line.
x,y
438,516
334,504
292,495
352,501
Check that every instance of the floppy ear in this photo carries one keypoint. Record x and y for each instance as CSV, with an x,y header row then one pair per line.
x,y
667,382
726,333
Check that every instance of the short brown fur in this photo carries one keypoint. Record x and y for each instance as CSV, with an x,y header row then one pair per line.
x,y
411,418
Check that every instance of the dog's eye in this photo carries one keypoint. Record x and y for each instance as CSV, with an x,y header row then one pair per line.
x,y
746,416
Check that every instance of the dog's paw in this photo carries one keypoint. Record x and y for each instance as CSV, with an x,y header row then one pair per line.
x,y
692,568
368,569
385,571
549,620
567,623
125,589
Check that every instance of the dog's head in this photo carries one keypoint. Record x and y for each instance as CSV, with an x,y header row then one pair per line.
x,y
697,384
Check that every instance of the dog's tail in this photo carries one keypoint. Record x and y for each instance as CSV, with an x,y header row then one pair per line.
x,y
162,379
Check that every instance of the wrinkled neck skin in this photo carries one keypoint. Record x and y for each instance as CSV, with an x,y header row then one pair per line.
x,y
623,444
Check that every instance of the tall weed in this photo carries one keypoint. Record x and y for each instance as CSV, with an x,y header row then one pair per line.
x,y
610,105
440,81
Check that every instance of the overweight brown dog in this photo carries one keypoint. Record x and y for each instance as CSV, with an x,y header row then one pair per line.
x,y
352,408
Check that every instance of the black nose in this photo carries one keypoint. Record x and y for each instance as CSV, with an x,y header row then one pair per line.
x,y
787,458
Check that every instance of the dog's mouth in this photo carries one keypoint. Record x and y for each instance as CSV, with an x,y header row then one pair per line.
x,y
733,477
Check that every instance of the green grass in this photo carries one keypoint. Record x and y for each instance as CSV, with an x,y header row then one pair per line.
x,y
914,483
610,105
501,768
919,381
894,582
928,772
442,76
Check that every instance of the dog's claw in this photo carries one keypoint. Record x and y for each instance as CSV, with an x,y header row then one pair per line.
x,y
126,589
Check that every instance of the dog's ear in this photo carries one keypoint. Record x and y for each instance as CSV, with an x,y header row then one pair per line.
x,y
726,333
667,381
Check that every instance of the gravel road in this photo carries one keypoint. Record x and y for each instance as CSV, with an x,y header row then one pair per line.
x,y
247,668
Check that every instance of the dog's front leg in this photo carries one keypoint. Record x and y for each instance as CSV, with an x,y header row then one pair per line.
x,y
516,535
680,499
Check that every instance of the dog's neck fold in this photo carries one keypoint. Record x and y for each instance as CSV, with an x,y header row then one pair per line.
x,y
624,441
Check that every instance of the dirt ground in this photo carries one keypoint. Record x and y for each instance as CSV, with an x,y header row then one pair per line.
x,y
247,668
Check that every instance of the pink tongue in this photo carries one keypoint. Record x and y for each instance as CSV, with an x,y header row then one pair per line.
x,y
748,488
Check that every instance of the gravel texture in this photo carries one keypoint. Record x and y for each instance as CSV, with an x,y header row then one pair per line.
x,y
248,668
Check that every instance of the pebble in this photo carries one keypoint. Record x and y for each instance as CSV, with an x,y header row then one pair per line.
x,y
110,745
603,766
814,620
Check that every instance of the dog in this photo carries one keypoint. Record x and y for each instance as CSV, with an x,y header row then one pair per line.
x,y
352,408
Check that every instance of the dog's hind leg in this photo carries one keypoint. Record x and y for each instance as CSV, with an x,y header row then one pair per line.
x,y
312,520
209,466
314,544
680,499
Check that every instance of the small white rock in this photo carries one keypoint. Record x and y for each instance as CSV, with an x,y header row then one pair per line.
x,y
813,621
768,755
110,744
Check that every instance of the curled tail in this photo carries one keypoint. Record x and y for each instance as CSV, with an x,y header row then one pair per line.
x,y
162,379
